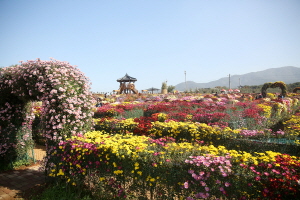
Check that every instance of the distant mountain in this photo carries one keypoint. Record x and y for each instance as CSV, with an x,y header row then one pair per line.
x,y
286,74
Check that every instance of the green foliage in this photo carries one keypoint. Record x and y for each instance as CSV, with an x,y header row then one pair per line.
x,y
279,84
164,85
257,88
171,88
135,113
23,162
62,192
18,163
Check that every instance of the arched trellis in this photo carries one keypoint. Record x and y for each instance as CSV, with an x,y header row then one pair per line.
x,y
66,103
296,89
279,84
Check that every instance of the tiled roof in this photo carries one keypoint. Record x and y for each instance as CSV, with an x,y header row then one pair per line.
x,y
126,78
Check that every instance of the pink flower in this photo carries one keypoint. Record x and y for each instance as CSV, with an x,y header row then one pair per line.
x,y
266,173
202,183
186,185
269,165
275,171
53,91
227,184
201,173
224,174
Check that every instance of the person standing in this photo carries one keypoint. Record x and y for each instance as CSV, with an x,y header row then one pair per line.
x,y
99,102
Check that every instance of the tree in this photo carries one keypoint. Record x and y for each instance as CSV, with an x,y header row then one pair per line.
x,y
164,86
171,88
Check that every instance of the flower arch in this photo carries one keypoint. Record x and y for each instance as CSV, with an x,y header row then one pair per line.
x,y
279,84
66,103
296,89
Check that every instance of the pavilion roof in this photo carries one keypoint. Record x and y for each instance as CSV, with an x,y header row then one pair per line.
x,y
127,78
152,89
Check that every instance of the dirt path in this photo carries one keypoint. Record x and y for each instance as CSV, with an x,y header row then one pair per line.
x,y
39,152
14,183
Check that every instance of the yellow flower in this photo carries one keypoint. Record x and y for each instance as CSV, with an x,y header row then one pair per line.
x,y
152,179
117,172
101,179
136,166
60,173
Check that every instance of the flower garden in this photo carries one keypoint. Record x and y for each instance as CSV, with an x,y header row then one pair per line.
x,y
186,147
159,146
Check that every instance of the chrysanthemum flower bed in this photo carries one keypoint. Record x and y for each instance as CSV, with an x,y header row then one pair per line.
x,y
187,149
248,126
222,112
128,166
65,109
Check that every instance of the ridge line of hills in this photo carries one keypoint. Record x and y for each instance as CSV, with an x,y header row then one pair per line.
x,y
288,74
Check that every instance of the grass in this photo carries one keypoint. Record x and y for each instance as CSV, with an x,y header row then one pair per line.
x,y
19,164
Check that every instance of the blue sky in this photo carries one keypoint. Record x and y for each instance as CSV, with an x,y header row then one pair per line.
x,y
155,40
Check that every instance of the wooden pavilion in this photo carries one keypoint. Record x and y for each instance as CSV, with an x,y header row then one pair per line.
x,y
127,85
152,89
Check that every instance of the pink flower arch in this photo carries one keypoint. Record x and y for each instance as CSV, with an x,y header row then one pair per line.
x,y
66,101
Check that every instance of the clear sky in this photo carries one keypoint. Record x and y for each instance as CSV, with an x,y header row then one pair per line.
x,y
153,41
